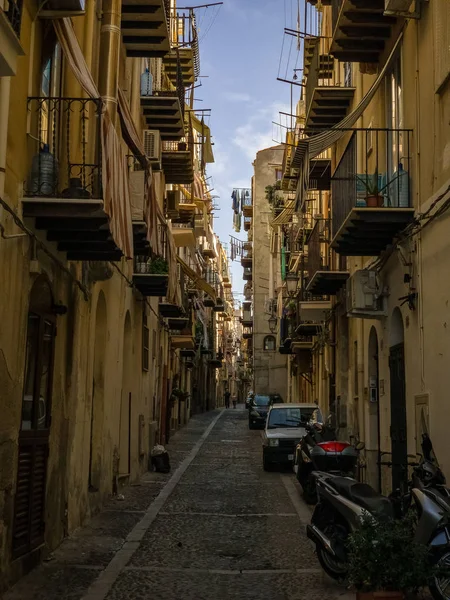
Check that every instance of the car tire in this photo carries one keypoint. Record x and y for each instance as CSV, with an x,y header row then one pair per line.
x,y
267,466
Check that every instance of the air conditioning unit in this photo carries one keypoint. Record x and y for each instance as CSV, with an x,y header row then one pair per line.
x,y
364,295
173,202
400,7
152,147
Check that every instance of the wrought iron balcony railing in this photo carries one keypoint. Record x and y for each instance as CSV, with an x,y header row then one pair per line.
x,y
13,10
68,160
373,172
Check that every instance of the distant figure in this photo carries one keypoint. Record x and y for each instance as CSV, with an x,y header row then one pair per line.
x,y
234,399
227,399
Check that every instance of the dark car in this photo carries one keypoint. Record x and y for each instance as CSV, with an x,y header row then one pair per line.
x,y
258,409
249,399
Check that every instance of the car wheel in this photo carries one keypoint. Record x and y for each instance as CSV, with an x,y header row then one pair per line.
x,y
266,464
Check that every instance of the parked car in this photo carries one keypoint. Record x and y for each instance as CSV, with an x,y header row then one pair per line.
x,y
285,426
258,410
248,400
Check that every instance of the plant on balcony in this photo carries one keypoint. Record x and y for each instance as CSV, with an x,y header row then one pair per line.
x,y
374,198
275,200
159,266
291,309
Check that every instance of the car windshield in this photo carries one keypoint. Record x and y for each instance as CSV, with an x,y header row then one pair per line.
x,y
293,417
261,400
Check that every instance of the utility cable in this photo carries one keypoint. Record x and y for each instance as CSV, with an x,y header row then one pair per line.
x,y
18,221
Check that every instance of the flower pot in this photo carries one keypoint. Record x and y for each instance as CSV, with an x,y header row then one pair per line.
x,y
374,201
379,595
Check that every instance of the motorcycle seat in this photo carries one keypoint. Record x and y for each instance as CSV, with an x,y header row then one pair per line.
x,y
363,495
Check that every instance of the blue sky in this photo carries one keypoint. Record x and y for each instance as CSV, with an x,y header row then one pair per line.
x,y
240,53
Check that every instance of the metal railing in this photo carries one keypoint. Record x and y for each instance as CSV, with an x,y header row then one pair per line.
x,y
68,161
316,261
155,261
335,12
184,145
247,223
247,201
184,35
248,274
13,10
247,253
374,171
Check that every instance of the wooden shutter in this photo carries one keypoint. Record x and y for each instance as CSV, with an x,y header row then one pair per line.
x,y
29,502
442,42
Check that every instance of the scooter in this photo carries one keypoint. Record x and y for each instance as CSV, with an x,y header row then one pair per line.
x,y
343,502
319,450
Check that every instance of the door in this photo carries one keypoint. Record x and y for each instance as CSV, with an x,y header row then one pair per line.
x,y
399,447
29,500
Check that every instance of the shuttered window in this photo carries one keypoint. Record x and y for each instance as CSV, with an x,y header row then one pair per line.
x,y
442,42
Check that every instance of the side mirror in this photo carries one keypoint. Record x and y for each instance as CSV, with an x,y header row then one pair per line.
x,y
360,446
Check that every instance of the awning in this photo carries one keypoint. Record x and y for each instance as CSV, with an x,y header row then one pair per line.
x,y
184,237
313,146
286,215
198,281
129,131
204,130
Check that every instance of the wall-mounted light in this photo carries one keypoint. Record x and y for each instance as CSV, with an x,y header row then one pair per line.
x,y
291,283
273,323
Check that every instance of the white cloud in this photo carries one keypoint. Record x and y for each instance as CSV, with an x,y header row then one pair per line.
x,y
237,97
258,132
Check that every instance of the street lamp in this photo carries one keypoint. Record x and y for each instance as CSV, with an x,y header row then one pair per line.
x,y
273,323
291,283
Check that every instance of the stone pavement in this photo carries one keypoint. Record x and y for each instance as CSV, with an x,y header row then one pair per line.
x,y
216,528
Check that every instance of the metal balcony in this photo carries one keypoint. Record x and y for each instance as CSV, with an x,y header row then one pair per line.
x,y
145,28
361,31
323,280
10,48
247,223
151,270
328,92
371,199
185,48
178,161
247,275
64,192
247,204
247,255
320,167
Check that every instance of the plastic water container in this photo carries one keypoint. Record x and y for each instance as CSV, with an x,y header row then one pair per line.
x,y
146,83
44,173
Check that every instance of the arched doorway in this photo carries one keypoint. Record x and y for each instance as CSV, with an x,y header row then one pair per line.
x,y
399,440
29,501
125,405
374,410
98,396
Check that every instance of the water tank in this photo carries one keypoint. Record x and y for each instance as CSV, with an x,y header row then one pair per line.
x,y
44,173
146,83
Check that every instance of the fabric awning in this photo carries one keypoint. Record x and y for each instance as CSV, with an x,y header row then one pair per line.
x,y
204,130
313,146
115,183
198,281
285,216
129,131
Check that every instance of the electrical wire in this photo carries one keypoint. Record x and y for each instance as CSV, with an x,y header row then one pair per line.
x,y
18,221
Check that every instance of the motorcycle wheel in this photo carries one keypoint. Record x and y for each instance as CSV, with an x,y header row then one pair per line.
x,y
309,490
440,586
334,568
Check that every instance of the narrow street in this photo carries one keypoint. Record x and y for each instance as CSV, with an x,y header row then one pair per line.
x,y
216,527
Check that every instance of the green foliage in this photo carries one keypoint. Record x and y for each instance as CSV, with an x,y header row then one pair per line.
x,y
370,182
383,556
274,199
159,266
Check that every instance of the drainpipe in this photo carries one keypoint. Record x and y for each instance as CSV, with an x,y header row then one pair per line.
x,y
109,55
5,87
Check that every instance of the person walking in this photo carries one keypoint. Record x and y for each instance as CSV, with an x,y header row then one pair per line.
x,y
227,399
234,399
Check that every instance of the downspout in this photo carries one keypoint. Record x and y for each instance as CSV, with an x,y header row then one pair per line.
x,y
5,89
110,40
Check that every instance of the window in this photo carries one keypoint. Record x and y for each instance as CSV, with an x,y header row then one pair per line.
x,y
269,343
145,343
38,359
278,174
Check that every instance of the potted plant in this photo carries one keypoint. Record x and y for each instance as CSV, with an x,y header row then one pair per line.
x,y
384,560
374,198
159,266
291,309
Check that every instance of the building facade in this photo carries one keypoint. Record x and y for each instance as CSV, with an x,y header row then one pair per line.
x,y
115,321
371,219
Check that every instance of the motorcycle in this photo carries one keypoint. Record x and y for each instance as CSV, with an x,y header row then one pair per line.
x,y
319,450
344,501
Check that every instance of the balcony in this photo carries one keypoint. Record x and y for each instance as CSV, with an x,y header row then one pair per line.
x,y
207,250
247,332
64,192
183,236
371,200
247,255
247,275
163,110
185,48
322,280
247,204
151,270
361,31
185,213
178,161
247,223
10,48
201,224
328,92
319,169
145,28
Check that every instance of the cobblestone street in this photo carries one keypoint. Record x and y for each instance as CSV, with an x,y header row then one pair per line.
x,y
217,527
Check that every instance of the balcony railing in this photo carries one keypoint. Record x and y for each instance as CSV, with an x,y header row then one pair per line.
x,y
13,10
381,179
155,262
62,168
247,223
316,260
